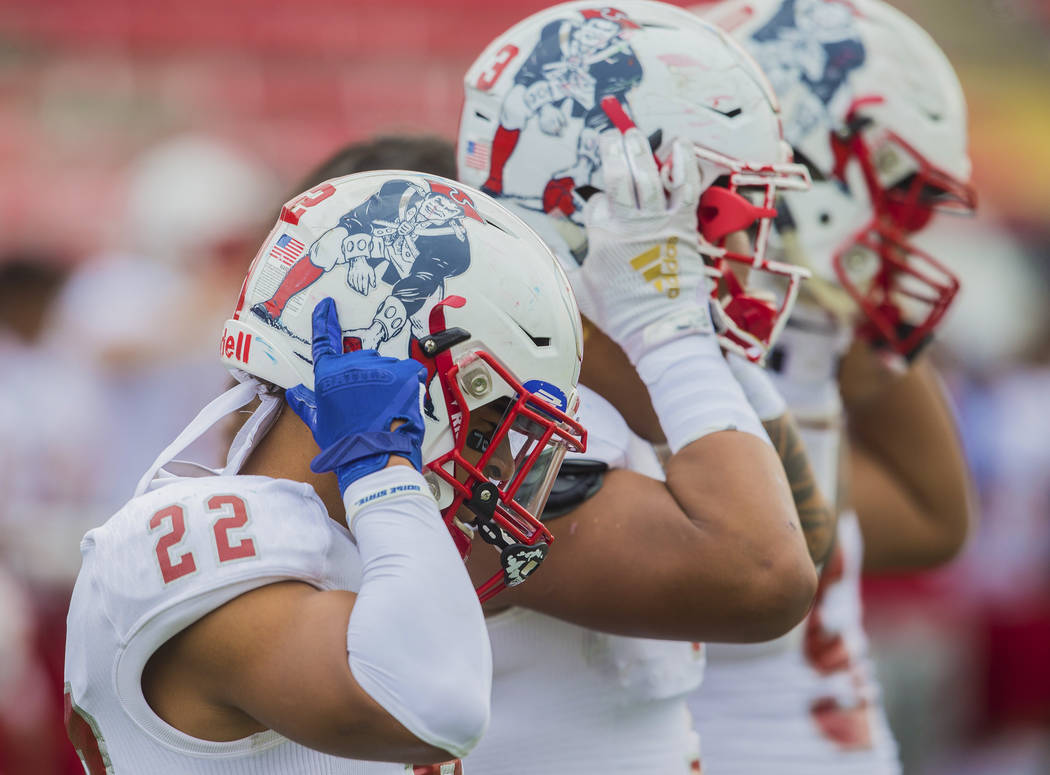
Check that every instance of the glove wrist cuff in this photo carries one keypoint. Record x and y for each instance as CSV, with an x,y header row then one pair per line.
x,y
360,454
379,486
694,392
690,320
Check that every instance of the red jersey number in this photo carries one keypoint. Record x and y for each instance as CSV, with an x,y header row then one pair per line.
x,y
185,564
236,516
243,548
848,727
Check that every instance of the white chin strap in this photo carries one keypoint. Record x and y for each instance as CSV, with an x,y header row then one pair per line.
x,y
243,443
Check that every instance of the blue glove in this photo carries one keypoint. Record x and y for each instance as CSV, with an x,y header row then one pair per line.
x,y
356,397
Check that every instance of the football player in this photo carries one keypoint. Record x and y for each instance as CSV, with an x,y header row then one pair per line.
x,y
304,607
424,153
714,548
873,107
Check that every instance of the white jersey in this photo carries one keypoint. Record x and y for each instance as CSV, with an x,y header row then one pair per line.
x,y
592,703
162,562
806,703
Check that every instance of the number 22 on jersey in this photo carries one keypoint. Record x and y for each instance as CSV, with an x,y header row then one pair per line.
x,y
233,515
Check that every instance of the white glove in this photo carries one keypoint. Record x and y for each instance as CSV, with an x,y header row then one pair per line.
x,y
644,278
761,393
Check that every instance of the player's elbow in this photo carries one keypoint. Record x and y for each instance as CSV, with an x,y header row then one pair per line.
x,y
768,591
459,713
761,594
947,537
781,593
465,725
776,581
452,686
941,529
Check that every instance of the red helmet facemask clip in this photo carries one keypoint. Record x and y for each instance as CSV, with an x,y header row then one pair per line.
x,y
905,295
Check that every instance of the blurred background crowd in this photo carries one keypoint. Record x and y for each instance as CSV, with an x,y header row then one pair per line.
x,y
146,148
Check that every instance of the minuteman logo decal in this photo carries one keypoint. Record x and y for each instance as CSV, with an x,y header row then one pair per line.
x,y
558,90
398,247
816,43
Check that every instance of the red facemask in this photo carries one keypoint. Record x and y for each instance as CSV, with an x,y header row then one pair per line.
x,y
526,449
750,320
906,293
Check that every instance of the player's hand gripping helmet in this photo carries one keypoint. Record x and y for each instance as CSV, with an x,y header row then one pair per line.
x,y
423,267
872,105
541,94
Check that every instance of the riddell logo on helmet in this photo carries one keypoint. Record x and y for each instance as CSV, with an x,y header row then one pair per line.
x,y
235,347
662,274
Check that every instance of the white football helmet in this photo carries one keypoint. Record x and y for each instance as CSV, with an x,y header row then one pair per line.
x,y
873,106
424,267
541,94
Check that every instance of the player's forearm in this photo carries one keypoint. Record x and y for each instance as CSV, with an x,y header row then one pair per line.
x,y
815,515
720,453
900,532
909,481
417,640
749,568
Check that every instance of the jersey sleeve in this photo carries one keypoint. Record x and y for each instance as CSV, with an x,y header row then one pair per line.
x,y
175,554
181,542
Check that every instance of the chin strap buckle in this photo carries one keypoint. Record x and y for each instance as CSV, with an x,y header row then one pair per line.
x,y
519,560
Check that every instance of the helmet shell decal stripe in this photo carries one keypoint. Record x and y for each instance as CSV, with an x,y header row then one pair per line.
x,y
548,392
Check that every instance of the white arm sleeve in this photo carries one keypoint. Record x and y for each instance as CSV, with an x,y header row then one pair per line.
x,y
693,391
761,393
417,641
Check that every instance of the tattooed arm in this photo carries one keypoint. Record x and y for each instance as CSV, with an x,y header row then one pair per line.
x,y
815,514
628,394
